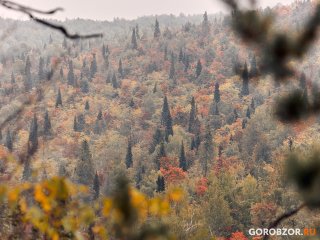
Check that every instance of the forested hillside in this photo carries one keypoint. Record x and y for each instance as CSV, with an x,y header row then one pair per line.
x,y
176,104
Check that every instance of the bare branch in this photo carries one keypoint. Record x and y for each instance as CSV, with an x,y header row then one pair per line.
x,y
30,12
284,217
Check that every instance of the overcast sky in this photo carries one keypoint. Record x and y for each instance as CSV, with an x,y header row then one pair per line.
x,y
129,9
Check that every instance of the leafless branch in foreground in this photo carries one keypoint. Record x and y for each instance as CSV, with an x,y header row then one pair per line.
x,y
31,11
284,217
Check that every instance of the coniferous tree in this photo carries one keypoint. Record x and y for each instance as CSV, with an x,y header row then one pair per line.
x,y
120,69
208,150
96,187
248,113
129,157
192,117
252,105
99,116
216,110
27,72
182,158
71,77
157,32
59,99
217,92
157,138
33,136
161,187
155,88
75,124
47,125
27,171
205,24
166,119
93,67
162,153
85,87
9,142
137,32
198,68
172,68
134,43
186,63
180,55
114,81
244,123
41,73
193,144
84,171
245,81
87,106
13,79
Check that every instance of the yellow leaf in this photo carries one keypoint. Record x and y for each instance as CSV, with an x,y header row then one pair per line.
x,y
107,207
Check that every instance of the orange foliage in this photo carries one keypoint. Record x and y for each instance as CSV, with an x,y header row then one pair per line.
x,y
202,186
173,174
238,236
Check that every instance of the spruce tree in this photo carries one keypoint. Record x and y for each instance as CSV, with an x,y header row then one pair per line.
x,y
155,88
166,119
198,68
99,116
96,187
71,77
134,43
84,171
216,110
59,99
192,116
157,138
13,79
252,105
161,187
137,32
27,171
93,67
120,69
208,150
157,32
27,77
245,81
9,142
172,68
33,136
75,124
248,113
205,24
129,160
47,125
182,158
87,106
162,153
114,81
217,93
244,123
41,73
193,144
186,63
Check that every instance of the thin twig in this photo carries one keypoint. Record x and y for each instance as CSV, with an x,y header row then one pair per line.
x,y
284,217
30,12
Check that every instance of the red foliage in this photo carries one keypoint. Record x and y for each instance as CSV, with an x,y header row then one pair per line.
x,y
173,174
238,236
202,186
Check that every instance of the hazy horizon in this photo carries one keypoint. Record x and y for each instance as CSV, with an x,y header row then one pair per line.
x,y
124,9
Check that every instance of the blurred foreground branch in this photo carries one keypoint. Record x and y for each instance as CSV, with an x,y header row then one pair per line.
x,y
31,11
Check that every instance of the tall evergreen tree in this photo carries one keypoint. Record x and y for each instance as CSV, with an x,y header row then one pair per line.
x,y
182,158
137,32
192,117
217,92
59,99
87,106
9,142
75,124
205,24
157,138
93,67
84,171
71,77
27,171
41,73
33,136
129,157
172,68
27,76
157,31
114,81
198,68
186,63
134,43
96,187
245,81
166,119
208,150
248,113
161,187
162,153
120,69
47,125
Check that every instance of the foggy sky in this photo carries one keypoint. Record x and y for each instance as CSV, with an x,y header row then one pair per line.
x,y
129,9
